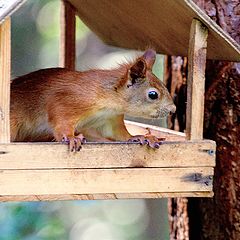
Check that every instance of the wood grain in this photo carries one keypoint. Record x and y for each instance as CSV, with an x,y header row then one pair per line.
x,y
160,24
102,181
196,80
68,36
108,196
109,155
5,72
136,128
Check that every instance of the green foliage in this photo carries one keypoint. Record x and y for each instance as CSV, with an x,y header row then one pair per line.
x,y
29,221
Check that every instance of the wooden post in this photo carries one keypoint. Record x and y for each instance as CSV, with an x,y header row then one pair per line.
x,y
196,80
5,75
68,36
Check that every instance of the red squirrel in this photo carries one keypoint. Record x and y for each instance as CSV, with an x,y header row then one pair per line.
x,y
63,105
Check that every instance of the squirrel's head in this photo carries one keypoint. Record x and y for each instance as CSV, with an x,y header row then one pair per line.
x,y
145,94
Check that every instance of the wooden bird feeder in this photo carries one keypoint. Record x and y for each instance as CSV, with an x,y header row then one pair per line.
x,y
182,166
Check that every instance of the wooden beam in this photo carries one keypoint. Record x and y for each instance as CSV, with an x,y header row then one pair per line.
x,y
8,7
196,80
109,196
5,75
136,128
102,181
68,36
167,30
108,155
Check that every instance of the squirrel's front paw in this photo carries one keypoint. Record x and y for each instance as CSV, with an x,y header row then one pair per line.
x,y
74,142
147,139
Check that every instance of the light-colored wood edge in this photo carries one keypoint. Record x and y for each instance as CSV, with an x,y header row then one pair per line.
x,y
107,196
92,181
8,7
196,80
211,25
5,75
108,155
68,36
136,128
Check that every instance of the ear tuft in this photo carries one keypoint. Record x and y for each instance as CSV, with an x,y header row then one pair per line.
x,y
149,56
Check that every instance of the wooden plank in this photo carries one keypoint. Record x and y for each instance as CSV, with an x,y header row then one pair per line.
x,y
7,7
68,36
101,181
5,72
136,128
108,155
196,80
165,27
106,196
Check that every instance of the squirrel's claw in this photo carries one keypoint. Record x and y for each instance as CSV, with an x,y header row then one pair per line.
x,y
147,139
138,138
74,142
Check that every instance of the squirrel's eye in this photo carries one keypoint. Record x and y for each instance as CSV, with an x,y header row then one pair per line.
x,y
153,95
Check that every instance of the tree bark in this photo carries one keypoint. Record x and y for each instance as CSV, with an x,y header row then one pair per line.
x,y
219,217
175,79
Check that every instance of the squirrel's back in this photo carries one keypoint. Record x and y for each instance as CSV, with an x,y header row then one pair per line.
x,y
55,102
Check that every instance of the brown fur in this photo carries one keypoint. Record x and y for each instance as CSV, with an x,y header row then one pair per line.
x,y
52,103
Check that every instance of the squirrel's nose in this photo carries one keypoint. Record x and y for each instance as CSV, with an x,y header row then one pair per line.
x,y
171,108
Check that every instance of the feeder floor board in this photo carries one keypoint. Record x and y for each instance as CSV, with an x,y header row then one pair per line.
x,y
107,196
48,171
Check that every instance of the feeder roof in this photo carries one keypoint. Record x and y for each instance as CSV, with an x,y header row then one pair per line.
x,y
163,25
7,7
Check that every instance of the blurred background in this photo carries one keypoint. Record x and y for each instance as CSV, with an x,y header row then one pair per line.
x,y
35,45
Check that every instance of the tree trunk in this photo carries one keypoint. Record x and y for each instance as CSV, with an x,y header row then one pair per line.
x,y
175,79
219,217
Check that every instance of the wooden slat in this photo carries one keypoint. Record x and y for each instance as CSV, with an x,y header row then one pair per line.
x,y
5,64
136,128
109,196
161,24
68,36
196,80
101,181
7,7
109,155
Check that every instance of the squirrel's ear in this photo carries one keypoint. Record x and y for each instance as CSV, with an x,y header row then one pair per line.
x,y
138,69
149,56
136,74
